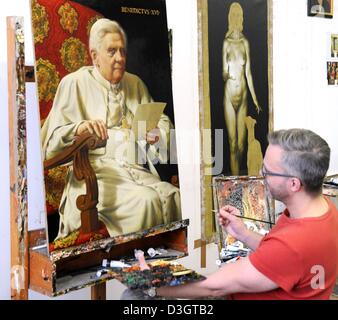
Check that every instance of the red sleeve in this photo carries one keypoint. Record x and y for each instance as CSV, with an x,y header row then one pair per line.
x,y
276,259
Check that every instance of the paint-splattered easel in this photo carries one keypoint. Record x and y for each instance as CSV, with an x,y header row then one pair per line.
x,y
18,166
21,239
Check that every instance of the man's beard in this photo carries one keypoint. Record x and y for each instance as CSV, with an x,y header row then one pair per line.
x,y
275,193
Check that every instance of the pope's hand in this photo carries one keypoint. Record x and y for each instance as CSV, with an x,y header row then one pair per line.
x,y
153,136
93,126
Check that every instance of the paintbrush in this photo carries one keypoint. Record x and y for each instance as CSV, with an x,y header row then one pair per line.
x,y
247,218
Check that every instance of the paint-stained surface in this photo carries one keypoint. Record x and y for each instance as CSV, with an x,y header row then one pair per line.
x,y
52,277
108,243
161,273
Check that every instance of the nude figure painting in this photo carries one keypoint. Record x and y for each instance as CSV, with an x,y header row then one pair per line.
x,y
236,90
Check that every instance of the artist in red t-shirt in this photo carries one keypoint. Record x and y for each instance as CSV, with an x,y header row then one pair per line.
x,y
298,259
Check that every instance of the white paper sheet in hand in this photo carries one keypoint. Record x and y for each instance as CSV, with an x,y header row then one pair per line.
x,y
146,118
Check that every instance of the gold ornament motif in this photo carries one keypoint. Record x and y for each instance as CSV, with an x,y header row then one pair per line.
x,y
125,124
91,21
48,79
66,242
55,181
68,18
40,24
73,54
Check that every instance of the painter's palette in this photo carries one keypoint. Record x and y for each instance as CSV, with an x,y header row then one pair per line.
x,y
161,273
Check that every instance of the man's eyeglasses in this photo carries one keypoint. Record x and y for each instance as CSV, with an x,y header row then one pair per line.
x,y
265,172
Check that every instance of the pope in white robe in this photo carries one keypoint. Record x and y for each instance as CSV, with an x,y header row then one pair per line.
x,y
103,98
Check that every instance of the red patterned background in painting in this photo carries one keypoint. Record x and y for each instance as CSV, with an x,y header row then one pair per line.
x,y
61,30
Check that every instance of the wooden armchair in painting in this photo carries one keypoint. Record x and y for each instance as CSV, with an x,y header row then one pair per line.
x,y
55,171
77,155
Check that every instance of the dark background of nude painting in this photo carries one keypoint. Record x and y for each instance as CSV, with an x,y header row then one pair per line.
x,y
255,30
148,53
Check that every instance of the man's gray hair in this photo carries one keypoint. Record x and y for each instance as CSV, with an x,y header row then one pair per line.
x,y
100,28
306,156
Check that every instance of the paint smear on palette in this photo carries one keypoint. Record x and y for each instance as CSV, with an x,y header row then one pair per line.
x,y
161,273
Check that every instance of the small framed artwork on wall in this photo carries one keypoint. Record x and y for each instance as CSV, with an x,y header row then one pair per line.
x,y
320,8
334,45
332,72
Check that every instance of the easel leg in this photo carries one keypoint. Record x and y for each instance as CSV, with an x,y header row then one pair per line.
x,y
203,245
98,292
18,159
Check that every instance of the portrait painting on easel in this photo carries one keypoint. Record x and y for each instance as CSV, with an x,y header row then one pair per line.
x,y
236,89
106,109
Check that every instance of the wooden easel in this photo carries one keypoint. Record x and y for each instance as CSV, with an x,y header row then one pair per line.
x,y
18,75
17,152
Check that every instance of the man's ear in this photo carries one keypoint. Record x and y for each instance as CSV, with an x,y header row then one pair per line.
x,y
295,184
93,54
